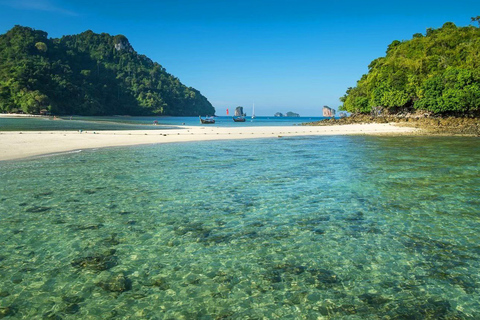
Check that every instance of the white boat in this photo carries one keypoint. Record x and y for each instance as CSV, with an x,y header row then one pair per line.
x,y
253,111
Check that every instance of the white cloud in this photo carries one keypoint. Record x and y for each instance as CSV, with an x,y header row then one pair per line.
x,y
39,5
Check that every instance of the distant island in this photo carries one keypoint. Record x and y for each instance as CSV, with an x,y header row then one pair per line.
x,y
288,114
328,112
88,74
433,74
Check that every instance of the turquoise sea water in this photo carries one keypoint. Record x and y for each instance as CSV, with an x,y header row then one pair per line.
x,y
294,228
136,123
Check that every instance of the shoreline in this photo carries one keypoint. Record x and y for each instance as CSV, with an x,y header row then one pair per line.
x,y
26,144
21,115
436,125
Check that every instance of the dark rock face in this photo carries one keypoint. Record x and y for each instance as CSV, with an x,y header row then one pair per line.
x,y
328,112
239,112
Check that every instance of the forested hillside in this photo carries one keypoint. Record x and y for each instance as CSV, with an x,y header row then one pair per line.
x,y
88,74
438,72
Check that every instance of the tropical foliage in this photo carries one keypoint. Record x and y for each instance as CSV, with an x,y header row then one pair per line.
x,y
88,74
437,72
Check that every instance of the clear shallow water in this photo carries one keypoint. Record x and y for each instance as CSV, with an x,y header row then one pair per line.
x,y
137,123
298,228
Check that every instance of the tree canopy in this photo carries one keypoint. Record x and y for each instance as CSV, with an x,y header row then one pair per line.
x,y
437,72
88,74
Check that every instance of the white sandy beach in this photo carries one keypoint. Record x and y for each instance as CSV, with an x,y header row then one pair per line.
x,y
17,145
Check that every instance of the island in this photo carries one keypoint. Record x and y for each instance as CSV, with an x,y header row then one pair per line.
x,y
328,112
88,74
431,81
436,73
288,114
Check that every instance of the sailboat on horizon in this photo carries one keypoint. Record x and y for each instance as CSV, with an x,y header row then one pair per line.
x,y
253,111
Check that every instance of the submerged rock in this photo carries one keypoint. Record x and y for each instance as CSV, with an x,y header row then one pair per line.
x,y
373,299
59,221
356,217
429,309
99,262
38,209
294,298
43,194
72,299
93,226
72,308
467,284
296,270
115,283
17,278
159,282
318,231
51,315
112,240
330,309
324,278
321,278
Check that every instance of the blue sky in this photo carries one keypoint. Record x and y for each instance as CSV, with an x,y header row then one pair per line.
x,y
283,55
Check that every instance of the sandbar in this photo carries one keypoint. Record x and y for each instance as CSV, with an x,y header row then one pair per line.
x,y
26,144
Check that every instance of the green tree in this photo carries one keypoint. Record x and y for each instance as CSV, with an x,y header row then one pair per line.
x,y
42,47
477,19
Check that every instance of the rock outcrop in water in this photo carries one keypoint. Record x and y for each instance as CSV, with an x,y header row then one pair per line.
x,y
239,112
328,112
292,114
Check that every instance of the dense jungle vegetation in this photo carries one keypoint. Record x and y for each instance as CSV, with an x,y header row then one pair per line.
x,y
88,74
437,72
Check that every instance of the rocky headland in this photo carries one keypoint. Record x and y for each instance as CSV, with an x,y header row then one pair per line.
x,y
469,126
